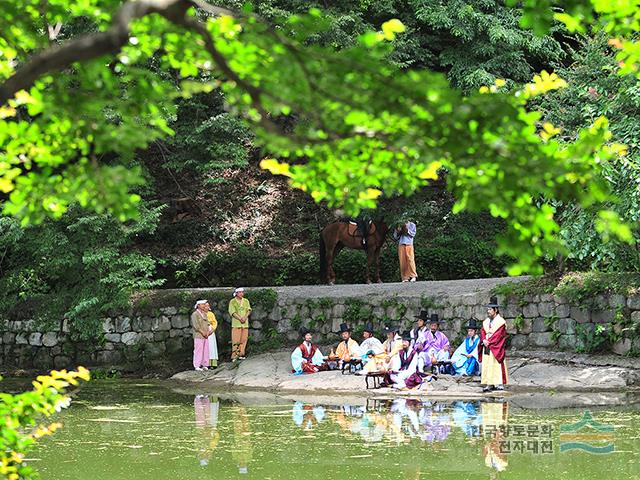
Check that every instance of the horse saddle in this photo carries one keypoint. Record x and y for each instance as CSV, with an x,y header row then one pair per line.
x,y
352,229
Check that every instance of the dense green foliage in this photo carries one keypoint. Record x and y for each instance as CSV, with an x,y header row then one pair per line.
x,y
73,269
335,99
474,42
595,88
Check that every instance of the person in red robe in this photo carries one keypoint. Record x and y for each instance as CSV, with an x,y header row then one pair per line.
x,y
307,358
492,349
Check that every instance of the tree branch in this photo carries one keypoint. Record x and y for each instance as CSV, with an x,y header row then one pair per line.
x,y
90,46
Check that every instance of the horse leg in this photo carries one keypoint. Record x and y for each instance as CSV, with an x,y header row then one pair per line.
x,y
377,255
370,261
331,274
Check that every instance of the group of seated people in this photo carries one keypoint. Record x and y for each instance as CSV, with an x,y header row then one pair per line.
x,y
404,359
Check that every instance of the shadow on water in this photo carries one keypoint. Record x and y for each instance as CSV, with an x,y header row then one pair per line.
x,y
118,430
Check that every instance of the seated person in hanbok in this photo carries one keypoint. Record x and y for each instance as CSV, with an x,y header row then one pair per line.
x,y
348,349
307,358
420,331
370,348
465,359
436,345
392,345
403,373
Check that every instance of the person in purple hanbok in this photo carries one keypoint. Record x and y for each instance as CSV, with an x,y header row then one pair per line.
x,y
404,367
435,347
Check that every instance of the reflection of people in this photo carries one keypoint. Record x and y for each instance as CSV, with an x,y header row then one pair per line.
x,y
465,358
493,336
201,332
307,358
206,412
495,417
466,417
239,310
307,416
242,449
404,235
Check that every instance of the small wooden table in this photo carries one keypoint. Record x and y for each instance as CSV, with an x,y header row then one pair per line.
x,y
352,366
376,378
434,366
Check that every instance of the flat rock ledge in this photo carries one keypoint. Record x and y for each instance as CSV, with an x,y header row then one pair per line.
x,y
527,375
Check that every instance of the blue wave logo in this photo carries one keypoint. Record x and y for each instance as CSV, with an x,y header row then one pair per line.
x,y
587,435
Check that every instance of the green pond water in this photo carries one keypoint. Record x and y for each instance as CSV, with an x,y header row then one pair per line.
x,y
136,430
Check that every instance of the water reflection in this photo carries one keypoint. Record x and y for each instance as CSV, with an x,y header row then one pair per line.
x,y
400,421
242,448
206,411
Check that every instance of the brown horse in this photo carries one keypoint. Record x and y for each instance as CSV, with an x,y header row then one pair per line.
x,y
337,235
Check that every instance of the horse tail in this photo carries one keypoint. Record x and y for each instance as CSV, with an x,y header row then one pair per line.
x,y
323,258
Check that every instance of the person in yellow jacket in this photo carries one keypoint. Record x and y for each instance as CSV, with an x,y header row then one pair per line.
x,y
211,339
239,310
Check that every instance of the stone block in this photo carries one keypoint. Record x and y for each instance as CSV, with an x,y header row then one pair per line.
x,y
563,310
275,315
174,345
603,316
113,337
22,339
580,315
35,339
161,324
9,338
617,300
50,339
511,311
129,338
566,326
154,350
567,342
546,309
530,310
539,325
108,357
123,324
256,325
145,337
337,311
168,311
61,361
544,340
160,336
173,333
519,342
622,346
108,326
41,360
180,321
633,302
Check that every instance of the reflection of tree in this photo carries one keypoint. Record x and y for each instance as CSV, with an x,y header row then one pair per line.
x,y
495,416
206,412
242,448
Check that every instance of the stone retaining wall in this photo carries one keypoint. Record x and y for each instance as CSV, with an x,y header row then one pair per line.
x,y
157,327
